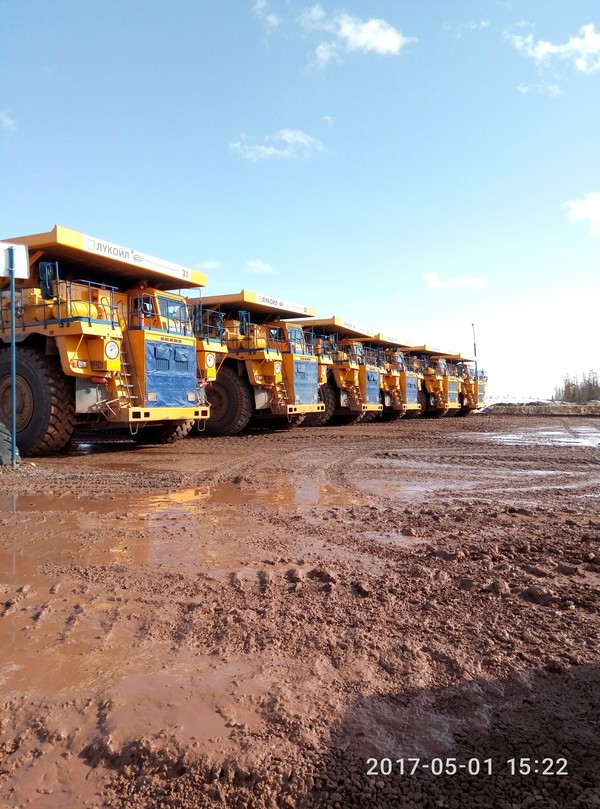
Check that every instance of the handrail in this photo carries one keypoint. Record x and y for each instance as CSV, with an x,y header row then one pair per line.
x,y
74,301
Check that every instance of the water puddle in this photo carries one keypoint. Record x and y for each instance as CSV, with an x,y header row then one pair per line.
x,y
582,435
276,491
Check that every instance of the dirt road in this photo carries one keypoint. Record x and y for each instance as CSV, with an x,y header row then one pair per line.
x,y
402,615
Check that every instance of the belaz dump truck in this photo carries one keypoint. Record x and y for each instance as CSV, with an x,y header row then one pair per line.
x,y
349,374
100,343
441,381
269,374
472,390
400,384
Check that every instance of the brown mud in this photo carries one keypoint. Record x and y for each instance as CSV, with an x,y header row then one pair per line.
x,y
284,619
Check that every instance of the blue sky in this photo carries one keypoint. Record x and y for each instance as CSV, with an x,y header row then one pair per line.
x,y
415,167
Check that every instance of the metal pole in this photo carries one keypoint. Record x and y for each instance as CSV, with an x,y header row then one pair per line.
x,y
13,359
474,349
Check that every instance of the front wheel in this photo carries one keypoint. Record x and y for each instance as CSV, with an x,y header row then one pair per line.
x,y
6,448
45,401
231,403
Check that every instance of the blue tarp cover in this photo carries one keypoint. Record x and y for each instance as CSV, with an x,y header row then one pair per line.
x,y
412,390
373,387
170,375
306,382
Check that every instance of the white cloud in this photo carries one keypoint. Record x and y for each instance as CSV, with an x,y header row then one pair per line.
x,y
327,52
433,280
209,265
328,120
586,209
255,265
473,25
350,34
7,122
540,89
285,144
582,51
271,21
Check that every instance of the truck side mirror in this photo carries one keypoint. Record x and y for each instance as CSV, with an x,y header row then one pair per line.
x,y
244,318
48,271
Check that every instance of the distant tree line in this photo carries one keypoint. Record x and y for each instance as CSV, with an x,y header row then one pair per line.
x,y
574,390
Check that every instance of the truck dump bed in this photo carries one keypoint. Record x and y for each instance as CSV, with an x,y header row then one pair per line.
x,y
337,325
86,256
263,307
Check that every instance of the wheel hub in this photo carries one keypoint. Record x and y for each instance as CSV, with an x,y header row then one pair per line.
x,y
218,401
24,402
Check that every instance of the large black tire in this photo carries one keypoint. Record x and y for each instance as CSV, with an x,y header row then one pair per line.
x,y
6,448
45,401
231,403
167,433
329,399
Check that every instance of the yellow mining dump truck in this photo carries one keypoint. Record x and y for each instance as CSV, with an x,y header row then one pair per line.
x,y
99,344
441,383
472,390
269,373
400,384
349,374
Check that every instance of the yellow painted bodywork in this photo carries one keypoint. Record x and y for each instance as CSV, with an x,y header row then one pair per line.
x,y
395,382
264,346
442,380
395,373
345,364
99,331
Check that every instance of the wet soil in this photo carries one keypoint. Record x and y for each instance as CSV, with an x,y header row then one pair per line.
x,y
397,615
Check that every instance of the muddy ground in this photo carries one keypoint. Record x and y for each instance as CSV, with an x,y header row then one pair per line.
x,y
400,615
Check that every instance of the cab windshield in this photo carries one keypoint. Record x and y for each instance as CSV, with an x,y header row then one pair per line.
x,y
174,312
297,340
